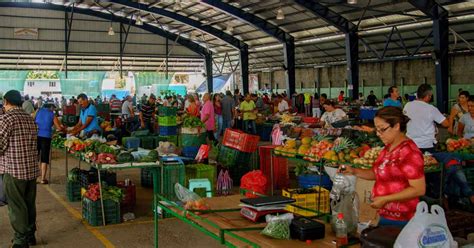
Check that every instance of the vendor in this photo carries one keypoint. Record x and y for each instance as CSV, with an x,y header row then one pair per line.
x,y
398,171
87,119
466,123
283,106
331,114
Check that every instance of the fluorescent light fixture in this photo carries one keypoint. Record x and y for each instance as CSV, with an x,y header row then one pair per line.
x,y
352,1
280,14
177,6
139,21
111,31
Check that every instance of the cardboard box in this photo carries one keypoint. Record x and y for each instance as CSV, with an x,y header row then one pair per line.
x,y
364,191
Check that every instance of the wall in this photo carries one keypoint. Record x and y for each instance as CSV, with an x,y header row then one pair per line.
x,y
378,76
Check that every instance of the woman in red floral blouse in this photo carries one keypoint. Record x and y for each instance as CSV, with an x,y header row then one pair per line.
x,y
398,171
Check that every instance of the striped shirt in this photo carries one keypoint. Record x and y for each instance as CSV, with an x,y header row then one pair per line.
x,y
18,145
115,105
147,111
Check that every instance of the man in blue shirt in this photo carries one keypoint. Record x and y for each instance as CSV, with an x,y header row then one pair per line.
x,y
88,118
392,100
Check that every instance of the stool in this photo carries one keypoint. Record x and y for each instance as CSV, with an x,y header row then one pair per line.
x,y
201,183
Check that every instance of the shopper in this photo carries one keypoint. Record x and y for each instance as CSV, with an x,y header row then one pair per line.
x,y
423,116
228,111
249,111
192,108
372,99
19,166
466,122
331,114
398,171
216,100
307,104
128,114
144,99
237,97
147,114
207,117
283,106
340,98
28,105
45,119
316,106
457,111
392,100
39,102
88,121
115,107
361,98
260,105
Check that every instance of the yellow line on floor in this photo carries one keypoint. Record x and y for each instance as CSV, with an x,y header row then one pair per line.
x,y
78,216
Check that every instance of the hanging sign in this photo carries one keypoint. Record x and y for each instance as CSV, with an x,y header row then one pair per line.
x,y
26,33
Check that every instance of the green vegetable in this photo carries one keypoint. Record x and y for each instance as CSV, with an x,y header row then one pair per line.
x,y
124,157
192,122
153,154
103,148
278,229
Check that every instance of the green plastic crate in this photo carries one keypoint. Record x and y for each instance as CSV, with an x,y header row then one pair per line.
x,y
168,176
171,138
140,133
192,139
92,212
198,171
147,142
168,121
229,157
167,111
469,172
73,191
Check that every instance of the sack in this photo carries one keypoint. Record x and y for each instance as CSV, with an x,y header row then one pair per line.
x,y
426,229
3,197
278,226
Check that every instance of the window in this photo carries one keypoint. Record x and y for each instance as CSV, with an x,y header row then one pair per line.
x,y
31,83
52,84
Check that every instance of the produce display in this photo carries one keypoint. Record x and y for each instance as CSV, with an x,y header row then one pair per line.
x,y
192,122
196,205
108,193
457,145
57,141
106,126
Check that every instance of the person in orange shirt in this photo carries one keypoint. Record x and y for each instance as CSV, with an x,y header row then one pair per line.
x,y
193,108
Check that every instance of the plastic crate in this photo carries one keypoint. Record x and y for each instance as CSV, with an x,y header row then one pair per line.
x,y
190,151
308,201
90,176
281,177
131,142
229,157
167,111
69,110
309,181
69,120
73,191
129,199
170,173
168,130
146,178
239,140
92,212
198,171
192,139
147,142
140,133
170,138
167,121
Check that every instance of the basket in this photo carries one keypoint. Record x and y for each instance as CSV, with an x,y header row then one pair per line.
x,y
192,139
147,142
168,130
229,157
308,201
239,140
167,111
131,142
198,171
73,191
190,151
167,121
92,212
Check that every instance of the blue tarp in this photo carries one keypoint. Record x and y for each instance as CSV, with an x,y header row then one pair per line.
x,y
218,83
120,94
177,89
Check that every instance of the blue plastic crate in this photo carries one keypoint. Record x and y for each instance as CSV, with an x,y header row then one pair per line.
x,y
131,142
168,130
309,181
190,151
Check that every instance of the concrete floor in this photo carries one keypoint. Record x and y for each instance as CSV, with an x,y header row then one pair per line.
x,y
59,221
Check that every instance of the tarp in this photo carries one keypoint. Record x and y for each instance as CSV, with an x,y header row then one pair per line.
x,y
89,82
218,84
12,80
150,78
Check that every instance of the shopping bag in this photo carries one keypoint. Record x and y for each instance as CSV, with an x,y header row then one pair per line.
x,y
3,197
203,153
426,229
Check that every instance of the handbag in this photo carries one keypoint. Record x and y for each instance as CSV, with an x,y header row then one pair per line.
x,y
3,197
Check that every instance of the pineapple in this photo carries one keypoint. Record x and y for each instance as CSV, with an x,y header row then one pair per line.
x,y
341,144
321,137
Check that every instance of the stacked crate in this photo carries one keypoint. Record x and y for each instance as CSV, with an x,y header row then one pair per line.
x,y
167,121
190,140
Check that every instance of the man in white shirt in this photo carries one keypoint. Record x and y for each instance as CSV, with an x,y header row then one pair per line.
x,y
282,105
423,118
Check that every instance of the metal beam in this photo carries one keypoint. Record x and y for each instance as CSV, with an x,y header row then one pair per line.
x,y
430,8
67,35
327,15
195,47
244,70
267,27
352,56
209,76
123,43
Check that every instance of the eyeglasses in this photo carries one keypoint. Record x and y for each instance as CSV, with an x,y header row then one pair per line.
x,y
381,130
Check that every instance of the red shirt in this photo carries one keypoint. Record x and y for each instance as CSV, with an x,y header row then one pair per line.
x,y
392,172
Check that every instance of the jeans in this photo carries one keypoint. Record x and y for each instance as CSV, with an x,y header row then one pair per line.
x,y
250,124
21,195
386,222
455,181
226,124
219,126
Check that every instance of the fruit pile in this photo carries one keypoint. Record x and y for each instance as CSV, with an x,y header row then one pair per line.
x,y
368,157
289,149
196,205
461,145
106,126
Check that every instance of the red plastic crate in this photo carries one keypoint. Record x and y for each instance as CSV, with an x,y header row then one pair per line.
x,y
241,141
310,120
281,176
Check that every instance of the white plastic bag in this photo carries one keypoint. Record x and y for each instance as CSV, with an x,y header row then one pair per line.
x,y
426,229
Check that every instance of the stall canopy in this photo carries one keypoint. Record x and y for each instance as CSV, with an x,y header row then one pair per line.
x,y
218,82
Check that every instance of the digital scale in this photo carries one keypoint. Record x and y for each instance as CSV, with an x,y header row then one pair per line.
x,y
258,216
256,208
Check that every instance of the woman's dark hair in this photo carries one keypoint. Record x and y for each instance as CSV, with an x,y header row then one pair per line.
x,y
393,116
471,98
464,93
390,90
324,95
423,91
330,102
82,96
